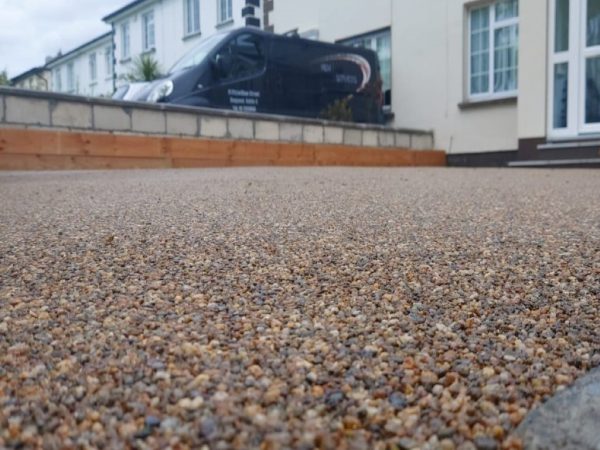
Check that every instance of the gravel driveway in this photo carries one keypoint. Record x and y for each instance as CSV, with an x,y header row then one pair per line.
x,y
292,308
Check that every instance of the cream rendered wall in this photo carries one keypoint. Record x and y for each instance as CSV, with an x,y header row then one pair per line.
x,y
533,68
335,19
429,74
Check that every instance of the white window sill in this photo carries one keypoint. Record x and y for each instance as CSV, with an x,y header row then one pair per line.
x,y
191,35
148,51
225,23
488,101
93,83
125,60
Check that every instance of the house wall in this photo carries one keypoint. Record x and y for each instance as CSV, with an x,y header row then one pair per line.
x,y
430,66
533,69
83,83
171,43
37,82
359,17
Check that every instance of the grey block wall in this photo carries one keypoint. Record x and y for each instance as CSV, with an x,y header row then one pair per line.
x,y
19,108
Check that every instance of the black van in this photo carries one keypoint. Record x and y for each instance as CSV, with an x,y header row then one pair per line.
x,y
251,70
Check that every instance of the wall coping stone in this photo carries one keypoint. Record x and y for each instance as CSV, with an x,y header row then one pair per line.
x,y
127,105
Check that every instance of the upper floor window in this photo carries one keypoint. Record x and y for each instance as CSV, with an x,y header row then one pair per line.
x,y
57,79
93,67
148,30
494,49
108,60
225,10
71,77
381,43
125,41
192,16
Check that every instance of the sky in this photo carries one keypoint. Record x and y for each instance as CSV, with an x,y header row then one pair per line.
x,y
30,30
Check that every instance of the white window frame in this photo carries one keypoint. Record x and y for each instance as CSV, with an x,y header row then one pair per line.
x,y
125,41
108,60
148,31
93,66
221,15
493,26
576,57
194,5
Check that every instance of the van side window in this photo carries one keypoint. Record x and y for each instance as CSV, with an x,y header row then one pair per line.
x,y
245,55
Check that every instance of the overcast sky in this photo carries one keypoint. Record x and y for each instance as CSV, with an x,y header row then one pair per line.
x,y
30,30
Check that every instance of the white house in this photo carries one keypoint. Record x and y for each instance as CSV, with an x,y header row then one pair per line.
x,y
36,79
497,80
86,70
166,29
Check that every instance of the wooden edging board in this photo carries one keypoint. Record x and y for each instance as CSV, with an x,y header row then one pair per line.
x,y
42,149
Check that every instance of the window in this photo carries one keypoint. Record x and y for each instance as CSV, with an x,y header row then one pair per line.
x,y
192,16
148,31
93,68
380,42
242,57
225,10
108,60
57,80
125,41
494,49
71,77
574,73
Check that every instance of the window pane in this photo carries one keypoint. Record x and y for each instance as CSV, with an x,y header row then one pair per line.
x,y
561,95
506,58
561,38
592,90
480,50
593,23
507,9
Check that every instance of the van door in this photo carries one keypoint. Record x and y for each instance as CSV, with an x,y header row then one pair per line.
x,y
240,68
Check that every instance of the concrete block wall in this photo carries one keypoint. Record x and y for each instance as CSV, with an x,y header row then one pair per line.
x,y
27,109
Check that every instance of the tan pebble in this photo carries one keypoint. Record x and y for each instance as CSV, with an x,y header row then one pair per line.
x,y
18,349
255,371
488,372
447,444
200,380
272,395
317,391
428,377
3,327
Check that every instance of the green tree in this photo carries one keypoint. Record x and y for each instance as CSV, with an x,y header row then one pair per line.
x,y
145,68
4,80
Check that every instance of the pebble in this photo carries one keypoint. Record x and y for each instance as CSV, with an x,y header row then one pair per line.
x,y
292,308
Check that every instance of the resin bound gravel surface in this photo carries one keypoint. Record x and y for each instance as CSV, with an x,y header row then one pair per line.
x,y
292,308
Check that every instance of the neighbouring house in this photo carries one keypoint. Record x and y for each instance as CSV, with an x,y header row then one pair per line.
x,y
167,29
86,70
36,79
499,82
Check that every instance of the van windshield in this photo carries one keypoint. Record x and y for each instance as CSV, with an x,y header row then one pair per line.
x,y
198,53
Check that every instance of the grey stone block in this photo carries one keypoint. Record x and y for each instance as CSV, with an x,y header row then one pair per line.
x,y
334,135
313,134
111,118
148,121
387,139
421,142
353,136
27,111
182,124
72,115
370,138
241,128
266,131
215,127
403,140
290,132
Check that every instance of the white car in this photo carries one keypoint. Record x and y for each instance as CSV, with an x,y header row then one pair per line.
x,y
129,91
